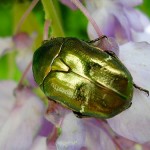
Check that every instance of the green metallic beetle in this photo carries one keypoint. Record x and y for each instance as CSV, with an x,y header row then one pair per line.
x,y
83,78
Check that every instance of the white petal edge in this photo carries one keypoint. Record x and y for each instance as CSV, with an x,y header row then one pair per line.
x,y
129,3
23,122
7,100
39,144
136,56
134,123
6,45
72,136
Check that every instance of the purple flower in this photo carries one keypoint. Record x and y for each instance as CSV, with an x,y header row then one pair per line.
x,y
21,42
21,117
134,122
24,111
116,18
82,134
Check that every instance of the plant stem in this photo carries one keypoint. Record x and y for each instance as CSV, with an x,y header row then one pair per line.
x,y
11,65
89,17
51,15
25,15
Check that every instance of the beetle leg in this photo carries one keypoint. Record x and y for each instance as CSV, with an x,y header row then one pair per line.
x,y
97,39
44,41
129,105
79,115
51,100
141,89
51,106
111,53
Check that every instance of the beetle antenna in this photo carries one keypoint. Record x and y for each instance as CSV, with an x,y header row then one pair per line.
x,y
98,39
141,89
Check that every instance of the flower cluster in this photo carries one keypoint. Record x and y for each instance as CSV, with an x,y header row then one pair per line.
x,y
27,122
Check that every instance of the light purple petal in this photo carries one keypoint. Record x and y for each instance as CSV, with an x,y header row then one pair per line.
x,y
129,3
125,144
134,123
123,21
113,23
6,45
133,18
46,128
23,40
73,133
96,137
116,19
141,36
136,56
143,19
83,134
40,144
55,113
7,100
22,123
105,21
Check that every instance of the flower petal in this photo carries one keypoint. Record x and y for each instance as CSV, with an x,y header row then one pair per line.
x,y
7,100
39,144
23,122
118,12
55,113
23,40
104,20
6,45
134,122
141,36
136,56
73,133
46,128
133,18
143,19
96,137
129,3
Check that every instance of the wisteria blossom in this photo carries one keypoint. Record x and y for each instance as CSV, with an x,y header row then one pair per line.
x,y
130,123
22,43
117,18
21,116
26,124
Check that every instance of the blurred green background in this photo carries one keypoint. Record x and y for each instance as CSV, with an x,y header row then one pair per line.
x,y
12,10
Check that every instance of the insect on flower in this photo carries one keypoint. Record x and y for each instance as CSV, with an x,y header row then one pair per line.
x,y
82,77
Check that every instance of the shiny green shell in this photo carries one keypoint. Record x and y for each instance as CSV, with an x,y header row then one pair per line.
x,y
82,77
